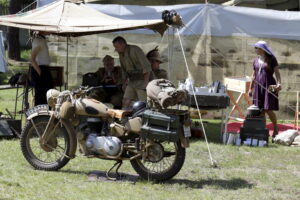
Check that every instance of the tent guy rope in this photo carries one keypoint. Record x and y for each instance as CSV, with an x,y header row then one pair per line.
x,y
213,162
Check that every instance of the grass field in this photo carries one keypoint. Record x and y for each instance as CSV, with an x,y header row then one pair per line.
x,y
243,173
8,101
261,173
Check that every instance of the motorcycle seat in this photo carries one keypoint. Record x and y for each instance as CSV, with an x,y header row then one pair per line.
x,y
119,114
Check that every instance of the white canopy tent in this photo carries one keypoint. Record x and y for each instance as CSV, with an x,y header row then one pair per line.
x,y
199,19
69,19
218,20
65,18
215,20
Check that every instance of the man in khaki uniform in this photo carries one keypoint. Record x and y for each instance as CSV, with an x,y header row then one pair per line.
x,y
110,74
111,78
155,60
136,70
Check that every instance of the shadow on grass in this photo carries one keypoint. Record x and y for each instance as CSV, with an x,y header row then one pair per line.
x,y
68,171
97,175
232,184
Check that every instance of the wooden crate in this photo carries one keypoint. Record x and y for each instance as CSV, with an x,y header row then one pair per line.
x,y
237,84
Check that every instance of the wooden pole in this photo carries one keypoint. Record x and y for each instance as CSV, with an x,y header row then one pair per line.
x,y
67,65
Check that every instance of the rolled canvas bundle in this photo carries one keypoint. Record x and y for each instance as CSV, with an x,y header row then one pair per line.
x,y
164,94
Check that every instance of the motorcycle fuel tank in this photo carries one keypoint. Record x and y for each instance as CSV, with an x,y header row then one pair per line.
x,y
90,107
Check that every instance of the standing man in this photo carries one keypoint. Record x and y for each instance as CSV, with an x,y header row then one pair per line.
x,y
40,74
136,69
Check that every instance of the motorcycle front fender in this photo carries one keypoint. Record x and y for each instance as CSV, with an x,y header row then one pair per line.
x,y
66,123
40,112
73,139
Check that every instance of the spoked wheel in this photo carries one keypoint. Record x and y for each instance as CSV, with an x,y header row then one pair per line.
x,y
164,161
49,156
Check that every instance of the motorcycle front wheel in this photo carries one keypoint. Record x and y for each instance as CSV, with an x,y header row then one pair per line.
x,y
50,156
164,160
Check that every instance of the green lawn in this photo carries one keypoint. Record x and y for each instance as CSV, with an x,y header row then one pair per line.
x,y
10,98
243,172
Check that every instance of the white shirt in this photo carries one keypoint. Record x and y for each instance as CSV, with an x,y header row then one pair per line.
x,y
42,57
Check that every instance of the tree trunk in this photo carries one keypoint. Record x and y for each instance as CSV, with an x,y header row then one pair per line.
x,y
13,33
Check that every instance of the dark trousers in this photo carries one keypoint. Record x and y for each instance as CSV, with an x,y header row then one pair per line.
x,y
41,83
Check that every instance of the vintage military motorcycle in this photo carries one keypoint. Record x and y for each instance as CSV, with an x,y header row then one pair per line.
x,y
153,140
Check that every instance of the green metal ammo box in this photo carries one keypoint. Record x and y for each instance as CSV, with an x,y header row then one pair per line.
x,y
162,126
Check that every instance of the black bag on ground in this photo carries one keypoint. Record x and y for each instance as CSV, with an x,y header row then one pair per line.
x,y
14,79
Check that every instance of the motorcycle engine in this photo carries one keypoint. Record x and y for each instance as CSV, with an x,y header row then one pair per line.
x,y
92,138
94,125
104,145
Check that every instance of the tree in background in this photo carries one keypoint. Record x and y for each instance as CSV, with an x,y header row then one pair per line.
x,y
13,33
13,42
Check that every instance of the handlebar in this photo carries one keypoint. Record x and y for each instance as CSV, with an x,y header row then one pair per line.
x,y
72,95
85,89
80,92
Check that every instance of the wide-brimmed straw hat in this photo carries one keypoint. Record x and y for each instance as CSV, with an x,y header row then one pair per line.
x,y
263,45
154,55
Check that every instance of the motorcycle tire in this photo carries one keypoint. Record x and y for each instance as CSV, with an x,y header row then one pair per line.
x,y
51,157
164,167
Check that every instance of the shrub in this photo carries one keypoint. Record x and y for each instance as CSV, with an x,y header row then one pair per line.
x,y
3,78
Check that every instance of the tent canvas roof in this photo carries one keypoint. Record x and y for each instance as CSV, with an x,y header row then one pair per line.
x,y
65,18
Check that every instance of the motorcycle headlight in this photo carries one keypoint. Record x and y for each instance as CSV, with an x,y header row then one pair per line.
x,y
52,95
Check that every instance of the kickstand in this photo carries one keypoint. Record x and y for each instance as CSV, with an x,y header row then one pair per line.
x,y
118,164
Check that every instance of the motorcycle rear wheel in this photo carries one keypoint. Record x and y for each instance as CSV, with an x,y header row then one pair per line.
x,y
51,156
164,168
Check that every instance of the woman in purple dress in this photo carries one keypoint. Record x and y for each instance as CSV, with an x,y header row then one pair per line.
x,y
264,87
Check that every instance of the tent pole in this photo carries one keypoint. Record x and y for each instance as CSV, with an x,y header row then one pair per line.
x,y
67,65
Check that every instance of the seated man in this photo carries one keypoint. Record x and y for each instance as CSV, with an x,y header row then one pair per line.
x,y
155,60
110,77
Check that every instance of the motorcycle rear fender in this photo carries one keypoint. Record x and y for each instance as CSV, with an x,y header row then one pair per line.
x,y
185,142
67,125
